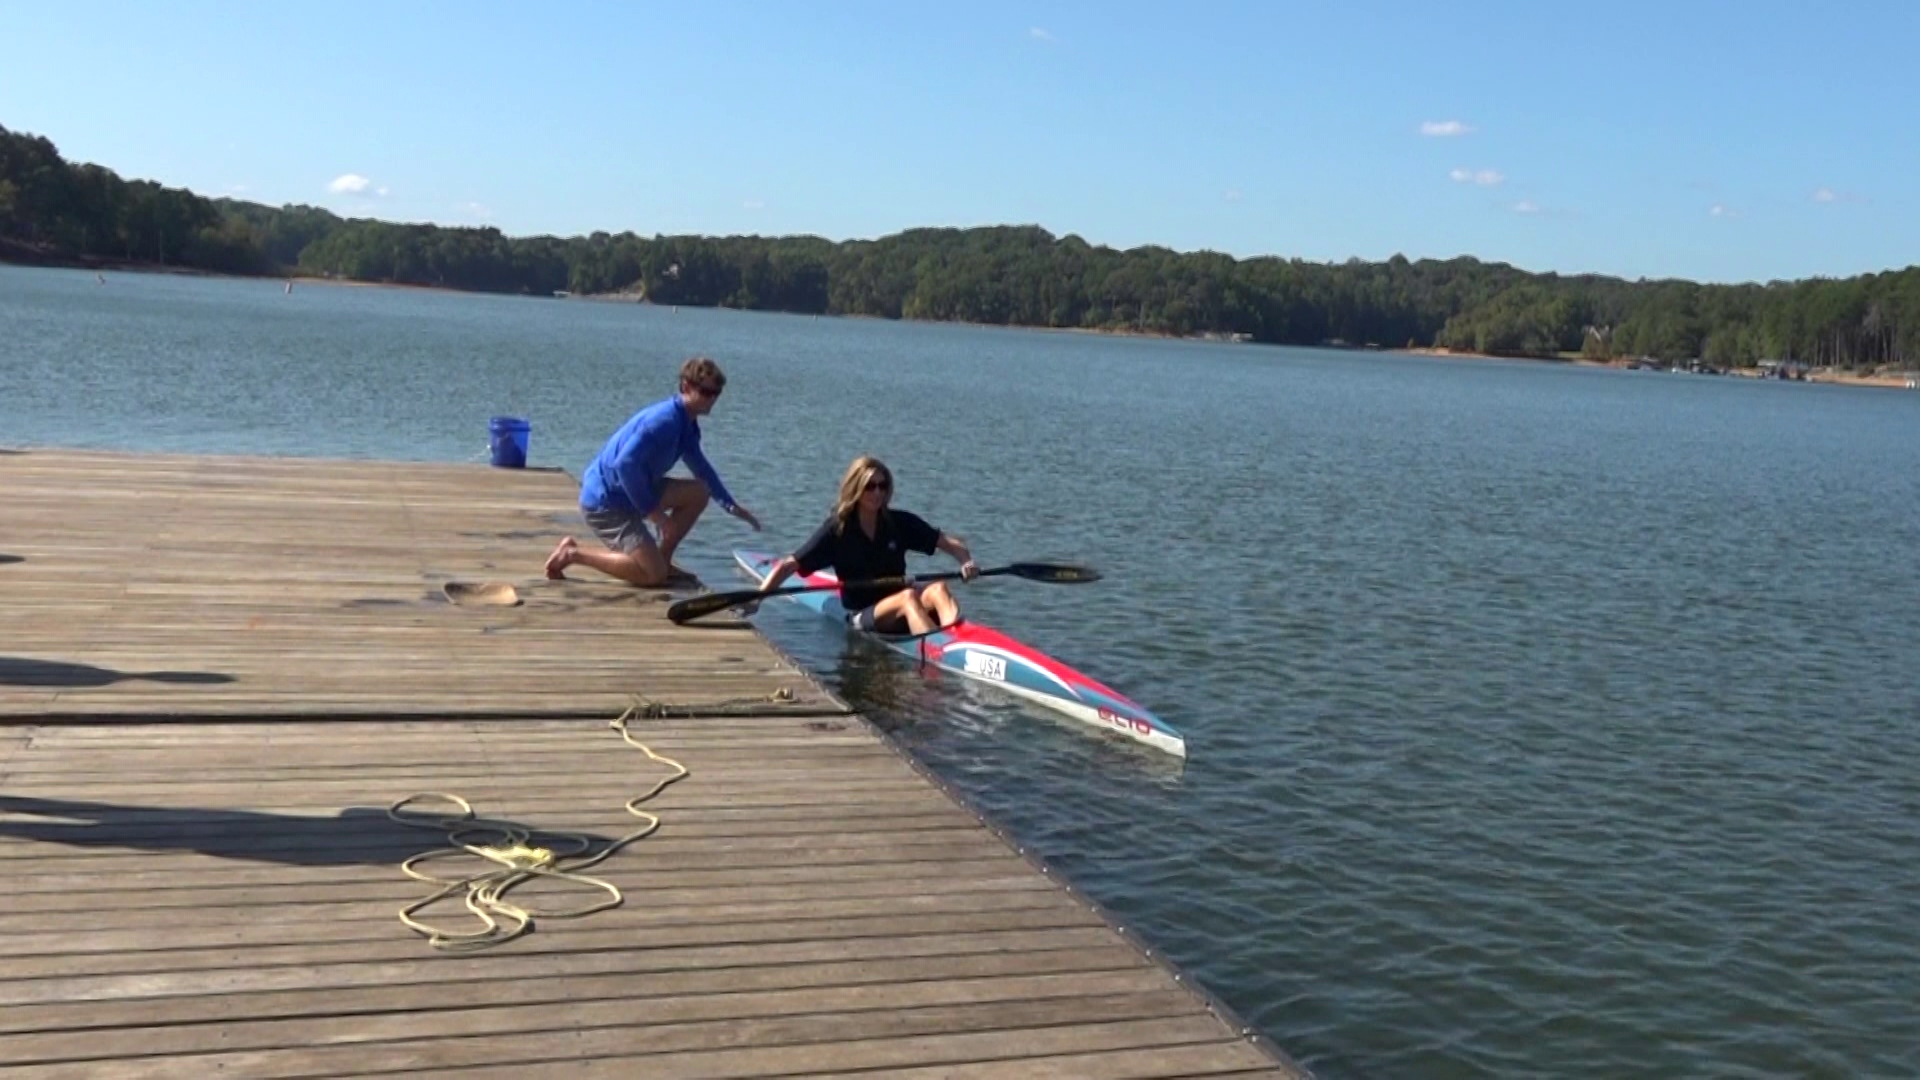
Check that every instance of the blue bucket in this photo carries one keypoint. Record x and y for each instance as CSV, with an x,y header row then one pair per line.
x,y
508,436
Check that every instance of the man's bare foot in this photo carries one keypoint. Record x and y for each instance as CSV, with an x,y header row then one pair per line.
x,y
561,558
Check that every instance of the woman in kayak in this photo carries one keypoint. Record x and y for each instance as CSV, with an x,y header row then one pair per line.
x,y
865,539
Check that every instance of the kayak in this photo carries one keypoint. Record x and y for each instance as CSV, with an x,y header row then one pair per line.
x,y
986,655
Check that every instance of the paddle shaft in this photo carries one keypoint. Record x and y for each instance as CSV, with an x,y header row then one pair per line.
x,y
884,582
696,606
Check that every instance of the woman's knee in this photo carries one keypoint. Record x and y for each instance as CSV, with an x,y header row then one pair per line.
x,y
900,601
936,593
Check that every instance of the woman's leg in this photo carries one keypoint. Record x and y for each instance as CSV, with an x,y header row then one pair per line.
x,y
940,603
905,604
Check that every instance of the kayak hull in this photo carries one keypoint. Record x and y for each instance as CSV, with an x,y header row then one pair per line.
x,y
986,655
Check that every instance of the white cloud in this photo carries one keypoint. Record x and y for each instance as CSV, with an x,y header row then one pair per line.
x,y
1482,177
1529,208
1723,211
1039,33
1444,129
237,189
1825,195
754,204
354,184
1233,194
471,209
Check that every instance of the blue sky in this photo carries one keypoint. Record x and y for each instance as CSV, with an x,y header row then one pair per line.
x,y
1717,141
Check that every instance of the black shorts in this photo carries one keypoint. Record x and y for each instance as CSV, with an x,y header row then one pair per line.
x,y
864,620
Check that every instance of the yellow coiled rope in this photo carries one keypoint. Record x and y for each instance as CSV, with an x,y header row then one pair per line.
x,y
517,861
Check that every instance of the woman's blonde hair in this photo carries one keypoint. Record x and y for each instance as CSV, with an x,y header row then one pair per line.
x,y
863,470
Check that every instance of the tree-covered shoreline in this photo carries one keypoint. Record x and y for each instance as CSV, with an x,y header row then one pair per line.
x,y
58,212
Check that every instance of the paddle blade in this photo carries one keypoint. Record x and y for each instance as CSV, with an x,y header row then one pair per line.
x,y
1054,573
694,607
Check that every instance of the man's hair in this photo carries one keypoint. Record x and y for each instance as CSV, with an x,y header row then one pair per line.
x,y
702,371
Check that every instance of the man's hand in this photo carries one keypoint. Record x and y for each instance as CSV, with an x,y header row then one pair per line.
x,y
745,515
969,570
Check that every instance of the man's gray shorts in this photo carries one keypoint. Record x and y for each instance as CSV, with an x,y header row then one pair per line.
x,y
619,530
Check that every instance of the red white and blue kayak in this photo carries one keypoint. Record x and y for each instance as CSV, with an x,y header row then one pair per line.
x,y
986,655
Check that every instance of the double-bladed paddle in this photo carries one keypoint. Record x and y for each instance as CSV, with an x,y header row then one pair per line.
x,y
694,607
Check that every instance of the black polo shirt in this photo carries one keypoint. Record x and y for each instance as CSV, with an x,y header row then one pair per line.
x,y
855,556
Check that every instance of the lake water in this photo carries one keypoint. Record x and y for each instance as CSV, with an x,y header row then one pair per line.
x,y
1543,720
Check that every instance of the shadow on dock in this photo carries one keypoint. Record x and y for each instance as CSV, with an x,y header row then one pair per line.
x,y
356,836
24,671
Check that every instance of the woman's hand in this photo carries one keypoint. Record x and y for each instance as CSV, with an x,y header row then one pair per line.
x,y
745,515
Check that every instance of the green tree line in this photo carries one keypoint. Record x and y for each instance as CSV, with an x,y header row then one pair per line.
x,y
54,210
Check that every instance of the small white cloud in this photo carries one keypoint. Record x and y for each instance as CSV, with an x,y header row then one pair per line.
x,y
1233,194
1825,195
1443,129
354,183
474,210
754,204
237,189
1039,33
1482,177
1722,211
380,191
1529,208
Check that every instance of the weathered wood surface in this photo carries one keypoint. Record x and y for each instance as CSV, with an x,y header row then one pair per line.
x,y
189,900
202,878
209,586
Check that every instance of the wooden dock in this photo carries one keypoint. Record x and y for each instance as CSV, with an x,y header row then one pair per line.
x,y
218,674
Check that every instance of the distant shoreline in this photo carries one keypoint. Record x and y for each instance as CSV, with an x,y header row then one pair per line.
x,y
1816,375
86,215
16,255
1468,354
637,298
96,265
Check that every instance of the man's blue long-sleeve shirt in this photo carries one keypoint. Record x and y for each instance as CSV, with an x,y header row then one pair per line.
x,y
627,474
